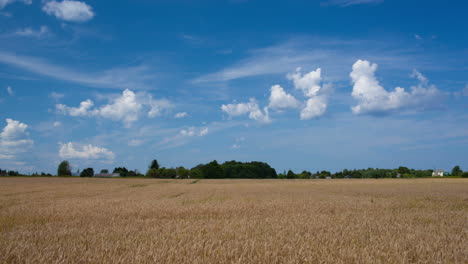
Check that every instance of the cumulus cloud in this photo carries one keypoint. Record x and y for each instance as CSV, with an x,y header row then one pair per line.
x,y
68,10
310,85
315,107
279,99
4,3
82,110
180,115
126,107
250,108
373,98
42,32
72,151
14,139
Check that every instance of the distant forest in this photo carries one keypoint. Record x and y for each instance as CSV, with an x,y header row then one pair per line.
x,y
243,170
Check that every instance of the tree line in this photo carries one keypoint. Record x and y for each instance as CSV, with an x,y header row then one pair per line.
x,y
244,170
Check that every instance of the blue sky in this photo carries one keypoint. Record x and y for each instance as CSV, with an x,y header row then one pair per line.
x,y
302,85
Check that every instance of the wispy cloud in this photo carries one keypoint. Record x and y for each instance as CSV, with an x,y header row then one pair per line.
x,y
4,3
40,33
333,56
133,77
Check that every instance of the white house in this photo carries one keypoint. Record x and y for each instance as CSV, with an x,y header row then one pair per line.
x,y
438,173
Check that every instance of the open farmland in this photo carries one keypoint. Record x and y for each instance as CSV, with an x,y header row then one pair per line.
x,y
87,220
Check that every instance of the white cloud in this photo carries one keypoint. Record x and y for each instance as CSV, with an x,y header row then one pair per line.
x,y
315,107
4,3
14,130
309,83
29,32
180,115
68,10
185,135
126,108
158,106
194,132
14,139
57,124
10,91
373,98
71,151
82,110
279,99
251,108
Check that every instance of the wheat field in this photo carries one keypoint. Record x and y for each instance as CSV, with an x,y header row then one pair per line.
x,y
87,220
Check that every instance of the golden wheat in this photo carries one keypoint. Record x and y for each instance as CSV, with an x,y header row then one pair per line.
x,y
78,220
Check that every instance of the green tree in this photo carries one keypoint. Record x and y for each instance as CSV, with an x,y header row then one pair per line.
x,y
212,170
153,173
465,174
290,174
88,172
122,171
154,165
196,173
456,171
402,170
171,173
104,171
64,169
182,172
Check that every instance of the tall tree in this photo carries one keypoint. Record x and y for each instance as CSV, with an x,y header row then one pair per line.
x,y
456,171
64,169
154,165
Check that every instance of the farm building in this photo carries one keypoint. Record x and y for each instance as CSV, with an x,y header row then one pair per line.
x,y
438,173
107,175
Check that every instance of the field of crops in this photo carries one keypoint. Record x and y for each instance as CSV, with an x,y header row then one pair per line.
x,y
86,220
